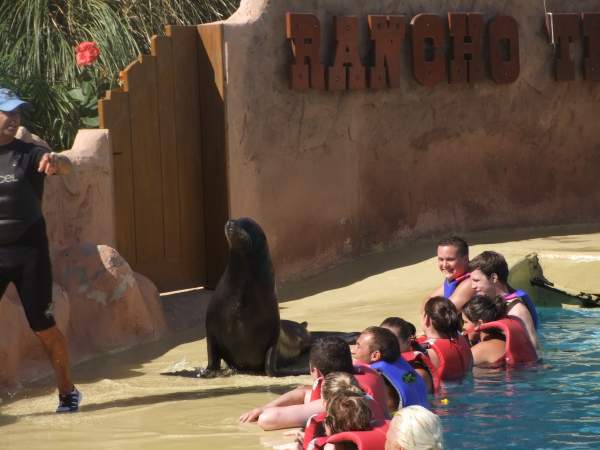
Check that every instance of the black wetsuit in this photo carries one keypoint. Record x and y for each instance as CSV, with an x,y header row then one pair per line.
x,y
24,256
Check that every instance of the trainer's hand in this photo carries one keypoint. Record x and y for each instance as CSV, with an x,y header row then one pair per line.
x,y
251,416
49,164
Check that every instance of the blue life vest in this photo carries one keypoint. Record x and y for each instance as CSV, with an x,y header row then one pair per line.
x,y
450,286
528,302
408,383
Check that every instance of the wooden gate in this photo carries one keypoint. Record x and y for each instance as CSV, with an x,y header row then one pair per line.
x,y
169,164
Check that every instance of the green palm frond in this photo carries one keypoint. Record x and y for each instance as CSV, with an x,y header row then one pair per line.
x,y
37,56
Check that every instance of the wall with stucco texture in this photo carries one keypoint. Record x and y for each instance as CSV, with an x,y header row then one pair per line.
x,y
331,175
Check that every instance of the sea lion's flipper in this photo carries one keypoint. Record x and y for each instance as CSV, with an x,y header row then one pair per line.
x,y
273,370
214,357
187,373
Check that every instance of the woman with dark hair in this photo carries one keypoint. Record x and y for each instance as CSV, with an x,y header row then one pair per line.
x,y
503,339
447,348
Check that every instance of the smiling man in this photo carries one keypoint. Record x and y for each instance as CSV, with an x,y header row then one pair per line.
x,y
24,254
453,262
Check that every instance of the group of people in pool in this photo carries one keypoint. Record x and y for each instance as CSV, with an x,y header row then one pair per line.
x,y
474,319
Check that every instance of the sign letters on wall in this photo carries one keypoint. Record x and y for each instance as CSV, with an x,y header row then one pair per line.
x,y
431,65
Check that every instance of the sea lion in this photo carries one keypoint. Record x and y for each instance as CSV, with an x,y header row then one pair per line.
x,y
243,326
294,340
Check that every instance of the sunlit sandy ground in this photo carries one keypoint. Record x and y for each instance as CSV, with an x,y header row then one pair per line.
x,y
129,405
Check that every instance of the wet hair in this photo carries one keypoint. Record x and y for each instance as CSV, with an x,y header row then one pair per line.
x,y
490,262
385,342
415,428
337,382
455,241
484,308
331,354
401,328
444,316
347,411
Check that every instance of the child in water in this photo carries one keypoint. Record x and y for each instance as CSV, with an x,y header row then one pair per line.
x,y
346,411
500,339
447,348
411,351
345,404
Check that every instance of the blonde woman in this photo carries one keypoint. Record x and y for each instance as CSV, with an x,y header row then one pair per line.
x,y
415,428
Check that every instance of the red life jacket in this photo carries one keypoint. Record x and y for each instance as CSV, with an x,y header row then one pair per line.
x,y
373,439
417,356
456,359
315,423
369,381
518,347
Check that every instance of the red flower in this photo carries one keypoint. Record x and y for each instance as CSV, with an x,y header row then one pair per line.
x,y
86,53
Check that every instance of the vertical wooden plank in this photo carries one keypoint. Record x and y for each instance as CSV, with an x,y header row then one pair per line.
x,y
161,48
114,116
214,150
140,83
189,151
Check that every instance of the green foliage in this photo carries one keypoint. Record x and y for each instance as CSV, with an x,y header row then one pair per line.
x,y
37,52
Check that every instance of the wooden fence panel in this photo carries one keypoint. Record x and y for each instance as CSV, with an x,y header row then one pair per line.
x,y
189,150
147,174
161,47
114,115
154,121
212,114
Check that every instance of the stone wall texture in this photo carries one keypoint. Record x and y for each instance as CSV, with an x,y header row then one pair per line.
x,y
330,175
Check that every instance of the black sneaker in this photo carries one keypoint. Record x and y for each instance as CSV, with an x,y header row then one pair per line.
x,y
69,402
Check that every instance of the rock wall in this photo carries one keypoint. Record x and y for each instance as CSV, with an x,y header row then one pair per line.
x,y
330,175
99,303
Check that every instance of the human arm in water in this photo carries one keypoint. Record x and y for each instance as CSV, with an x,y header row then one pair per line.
x,y
291,409
520,310
488,351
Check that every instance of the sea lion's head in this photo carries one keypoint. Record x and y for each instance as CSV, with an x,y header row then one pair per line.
x,y
245,236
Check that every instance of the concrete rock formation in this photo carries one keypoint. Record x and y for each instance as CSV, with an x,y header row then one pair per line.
x,y
106,297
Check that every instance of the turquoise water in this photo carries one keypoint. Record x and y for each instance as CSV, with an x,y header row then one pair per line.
x,y
555,405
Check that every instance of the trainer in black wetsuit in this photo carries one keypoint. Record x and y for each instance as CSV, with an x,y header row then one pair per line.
x,y
24,256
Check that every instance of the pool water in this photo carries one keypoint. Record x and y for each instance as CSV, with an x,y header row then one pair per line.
x,y
555,405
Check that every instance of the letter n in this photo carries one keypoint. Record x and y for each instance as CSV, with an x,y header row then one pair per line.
x,y
347,70
504,49
387,34
562,30
304,34
466,33
591,40
429,64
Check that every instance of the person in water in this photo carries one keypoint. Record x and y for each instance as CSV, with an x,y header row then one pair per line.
x,y
453,262
501,339
410,350
292,409
447,348
349,425
24,254
334,384
489,276
415,428
346,411
378,347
